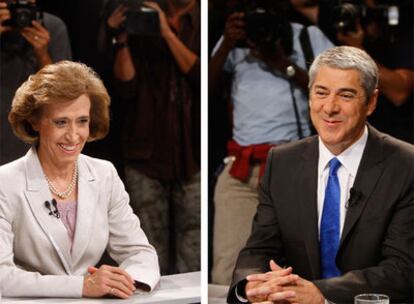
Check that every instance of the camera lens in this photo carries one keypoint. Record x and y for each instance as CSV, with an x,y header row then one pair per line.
x,y
263,27
23,17
345,17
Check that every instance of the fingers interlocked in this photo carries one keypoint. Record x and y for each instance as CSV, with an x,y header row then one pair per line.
x,y
270,287
273,286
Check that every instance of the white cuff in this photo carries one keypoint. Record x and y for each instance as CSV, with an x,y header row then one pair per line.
x,y
239,297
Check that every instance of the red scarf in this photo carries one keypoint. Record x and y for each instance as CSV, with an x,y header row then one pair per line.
x,y
245,156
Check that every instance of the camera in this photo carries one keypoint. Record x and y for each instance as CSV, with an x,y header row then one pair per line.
x,y
262,27
22,13
346,13
141,20
266,24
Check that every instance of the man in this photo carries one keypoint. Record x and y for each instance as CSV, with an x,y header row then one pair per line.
x,y
268,82
159,78
392,50
384,29
23,51
335,209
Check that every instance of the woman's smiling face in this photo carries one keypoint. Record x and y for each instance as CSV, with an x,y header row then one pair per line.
x,y
63,130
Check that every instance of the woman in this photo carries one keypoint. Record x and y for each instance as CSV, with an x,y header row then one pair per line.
x,y
59,209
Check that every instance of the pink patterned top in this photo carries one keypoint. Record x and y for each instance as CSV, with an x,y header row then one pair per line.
x,y
67,212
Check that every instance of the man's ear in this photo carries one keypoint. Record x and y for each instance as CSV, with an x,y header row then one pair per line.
x,y
372,102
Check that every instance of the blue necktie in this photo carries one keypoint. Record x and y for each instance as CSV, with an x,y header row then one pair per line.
x,y
329,231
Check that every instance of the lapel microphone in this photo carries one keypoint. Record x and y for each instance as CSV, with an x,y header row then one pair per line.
x,y
55,212
354,197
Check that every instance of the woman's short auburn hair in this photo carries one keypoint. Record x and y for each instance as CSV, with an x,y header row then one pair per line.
x,y
58,83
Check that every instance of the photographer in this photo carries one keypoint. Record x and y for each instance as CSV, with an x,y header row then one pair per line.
x,y
157,71
266,78
384,29
392,50
29,40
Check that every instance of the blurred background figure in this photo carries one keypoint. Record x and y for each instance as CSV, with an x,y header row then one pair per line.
x,y
156,48
383,28
259,65
29,40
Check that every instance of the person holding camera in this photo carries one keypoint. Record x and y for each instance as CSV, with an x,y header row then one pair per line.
x,y
392,49
268,91
33,32
157,73
29,40
385,30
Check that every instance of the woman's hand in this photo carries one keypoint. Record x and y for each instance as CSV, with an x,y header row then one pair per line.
x,y
108,280
117,17
38,36
164,25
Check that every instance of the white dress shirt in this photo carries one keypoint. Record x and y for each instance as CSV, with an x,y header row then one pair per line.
x,y
350,159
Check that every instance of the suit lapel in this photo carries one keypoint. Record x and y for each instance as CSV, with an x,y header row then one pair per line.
x,y
307,185
369,171
37,192
87,201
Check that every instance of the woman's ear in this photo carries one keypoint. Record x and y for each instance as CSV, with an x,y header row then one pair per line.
x,y
34,123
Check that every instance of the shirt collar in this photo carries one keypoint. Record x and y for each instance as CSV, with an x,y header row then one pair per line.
x,y
350,158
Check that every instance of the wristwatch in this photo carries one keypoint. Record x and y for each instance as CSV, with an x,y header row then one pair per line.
x,y
120,45
290,71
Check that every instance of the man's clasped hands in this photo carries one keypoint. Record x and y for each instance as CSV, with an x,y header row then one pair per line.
x,y
280,285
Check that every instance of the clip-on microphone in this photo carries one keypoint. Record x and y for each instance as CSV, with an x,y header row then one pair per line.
x,y
354,197
55,212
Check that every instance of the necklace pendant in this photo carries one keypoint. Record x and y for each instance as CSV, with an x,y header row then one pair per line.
x,y
62,196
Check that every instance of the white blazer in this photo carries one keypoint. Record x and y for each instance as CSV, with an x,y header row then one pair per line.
x,y
35,256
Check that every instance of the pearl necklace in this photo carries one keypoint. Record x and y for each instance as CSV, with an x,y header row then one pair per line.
x,y
64,194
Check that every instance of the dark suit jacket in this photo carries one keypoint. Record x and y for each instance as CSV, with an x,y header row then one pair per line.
x,y
376,252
